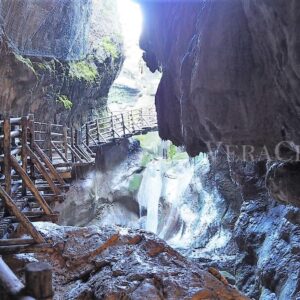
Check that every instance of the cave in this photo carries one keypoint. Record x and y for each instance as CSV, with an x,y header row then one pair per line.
x,y
149,149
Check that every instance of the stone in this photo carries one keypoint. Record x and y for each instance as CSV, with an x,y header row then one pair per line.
x,y
94,264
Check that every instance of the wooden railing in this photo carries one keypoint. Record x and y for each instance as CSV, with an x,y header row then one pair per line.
x,y
36,159
118,126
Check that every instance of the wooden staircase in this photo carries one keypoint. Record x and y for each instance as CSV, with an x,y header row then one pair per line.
x,y
35,163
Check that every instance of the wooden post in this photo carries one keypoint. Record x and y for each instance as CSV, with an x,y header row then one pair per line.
x,y
123,124
38,278
24,124
132,121
87,137
72,143
112,126
11,206
65,141
141,118
31,143
76,137
48,140
98,131
7,150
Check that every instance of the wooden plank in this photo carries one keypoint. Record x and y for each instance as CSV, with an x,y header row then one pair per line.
x,y
31,186
43,171
6,151
11,206
48,164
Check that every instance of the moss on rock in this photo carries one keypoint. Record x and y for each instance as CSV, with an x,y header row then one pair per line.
x,y
65,101
109,47
25,61
83,69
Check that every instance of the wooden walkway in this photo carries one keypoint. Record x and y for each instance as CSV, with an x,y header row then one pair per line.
x,y
118,126
36,160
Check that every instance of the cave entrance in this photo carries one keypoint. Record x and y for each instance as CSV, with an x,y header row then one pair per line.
x,y
135,87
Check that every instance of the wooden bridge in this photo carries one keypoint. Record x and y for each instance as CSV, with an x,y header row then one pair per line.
x,y
36,160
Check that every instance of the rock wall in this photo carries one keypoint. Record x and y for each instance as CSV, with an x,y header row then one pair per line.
x,y
230,71
60,64
263,255
230,74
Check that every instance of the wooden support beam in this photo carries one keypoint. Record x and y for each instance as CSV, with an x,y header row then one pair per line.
x,y
83,153
24,125
31,186
75,153
48,163
11,206
6,152
59,152
43,171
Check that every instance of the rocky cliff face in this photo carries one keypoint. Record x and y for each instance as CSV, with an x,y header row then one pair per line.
x,y
231,75
264,251
60,64
230,71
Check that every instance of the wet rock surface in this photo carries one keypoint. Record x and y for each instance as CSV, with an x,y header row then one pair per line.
x,y
60,65
265,259
231,71
112,263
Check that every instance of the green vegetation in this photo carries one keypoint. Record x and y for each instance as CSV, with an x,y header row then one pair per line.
x,y
45,66
65,101
109,47
25,61
175,153
135,182
85,70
